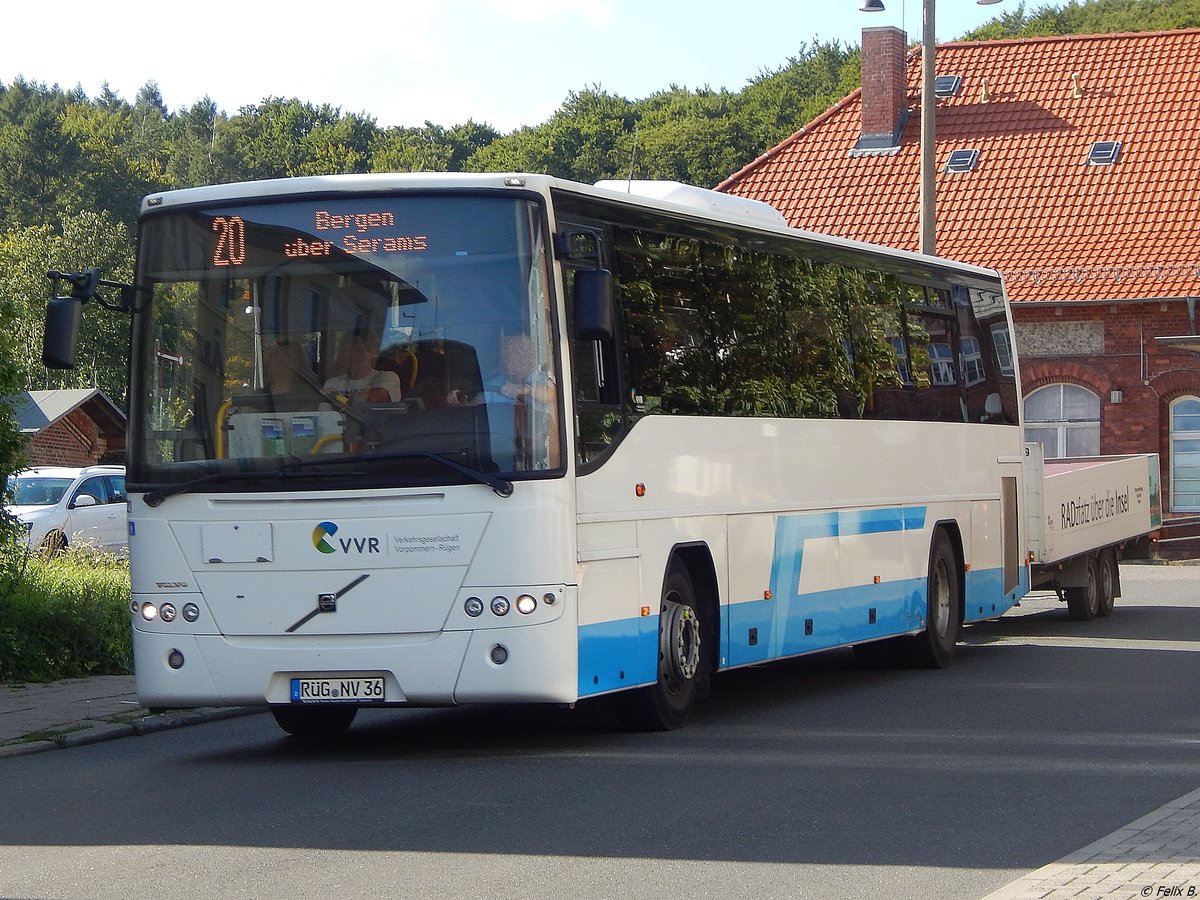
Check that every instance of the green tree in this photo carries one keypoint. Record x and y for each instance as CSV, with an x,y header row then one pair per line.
x,y
123,153
284,138
430,148
1091,17
588,138
778,101
203,147
38,157
691,136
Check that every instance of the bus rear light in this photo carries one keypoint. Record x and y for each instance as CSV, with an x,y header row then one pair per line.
x,y
526,604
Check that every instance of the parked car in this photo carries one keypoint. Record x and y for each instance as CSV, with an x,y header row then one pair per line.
x,y
63,507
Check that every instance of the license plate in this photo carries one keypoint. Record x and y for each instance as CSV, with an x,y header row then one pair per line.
x,y
354,689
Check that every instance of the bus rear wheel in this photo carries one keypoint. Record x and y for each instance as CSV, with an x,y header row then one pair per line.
x,y
314,722
934,647
682,654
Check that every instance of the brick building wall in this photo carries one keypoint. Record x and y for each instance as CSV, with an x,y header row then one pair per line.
x,y
1111,347
74,440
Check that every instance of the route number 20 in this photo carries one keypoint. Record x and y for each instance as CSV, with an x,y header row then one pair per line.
x,y
231,241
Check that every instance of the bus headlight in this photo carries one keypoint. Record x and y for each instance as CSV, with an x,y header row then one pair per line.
x,y
191,612
473,607
149,612
166,612
500,606
526,604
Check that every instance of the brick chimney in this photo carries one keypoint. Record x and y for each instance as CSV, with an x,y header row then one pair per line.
x,y
884,74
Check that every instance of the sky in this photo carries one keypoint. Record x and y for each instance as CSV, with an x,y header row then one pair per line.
x,y
506,63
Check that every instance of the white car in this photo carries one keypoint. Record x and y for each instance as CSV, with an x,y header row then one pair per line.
x,y
64,507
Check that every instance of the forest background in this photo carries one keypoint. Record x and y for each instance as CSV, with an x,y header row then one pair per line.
x,y
73,168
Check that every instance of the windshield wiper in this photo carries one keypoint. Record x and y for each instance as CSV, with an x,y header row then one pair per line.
x,y
502,487
156,497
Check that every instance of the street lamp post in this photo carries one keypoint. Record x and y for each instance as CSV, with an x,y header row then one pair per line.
x,y
928,126
928,130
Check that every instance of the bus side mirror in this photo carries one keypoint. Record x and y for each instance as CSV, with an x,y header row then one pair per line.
x,y
63,315
595,315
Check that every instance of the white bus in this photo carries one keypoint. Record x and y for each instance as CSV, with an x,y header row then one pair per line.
x,y
449,439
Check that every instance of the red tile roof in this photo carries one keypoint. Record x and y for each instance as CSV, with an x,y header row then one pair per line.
x,y
1058,228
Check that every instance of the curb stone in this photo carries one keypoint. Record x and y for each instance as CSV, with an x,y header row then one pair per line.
x,y
95,732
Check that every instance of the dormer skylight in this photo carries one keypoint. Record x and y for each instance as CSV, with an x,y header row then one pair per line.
x,y
962,160
1104,153
945,86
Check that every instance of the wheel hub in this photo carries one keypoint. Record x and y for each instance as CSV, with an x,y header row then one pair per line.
x,y
680,641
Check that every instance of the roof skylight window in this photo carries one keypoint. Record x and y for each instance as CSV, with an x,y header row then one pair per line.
x,y
962,160
1104,153
947,86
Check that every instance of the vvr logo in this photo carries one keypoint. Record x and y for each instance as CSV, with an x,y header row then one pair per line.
x,y
324,541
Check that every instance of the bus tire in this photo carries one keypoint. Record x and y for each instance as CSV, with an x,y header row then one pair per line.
x,y
1083,603
1107,582
682,656
934,647
314,722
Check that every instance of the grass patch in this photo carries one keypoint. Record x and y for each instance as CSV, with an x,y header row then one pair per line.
x,y
65,617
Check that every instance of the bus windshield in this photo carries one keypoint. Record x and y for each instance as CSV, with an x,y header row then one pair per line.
x,y
342,339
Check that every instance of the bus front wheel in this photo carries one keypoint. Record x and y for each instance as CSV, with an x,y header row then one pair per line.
x,y
682,654
314,722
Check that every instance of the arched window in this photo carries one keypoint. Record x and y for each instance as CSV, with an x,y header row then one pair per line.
x,y
1185,454
1065,419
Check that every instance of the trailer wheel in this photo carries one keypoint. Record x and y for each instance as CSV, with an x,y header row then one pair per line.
x,y
1083,603
934,647
314,722
1108,583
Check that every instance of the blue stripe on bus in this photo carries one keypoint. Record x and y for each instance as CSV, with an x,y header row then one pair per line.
x,y
614,655
623,653
830,615
986,598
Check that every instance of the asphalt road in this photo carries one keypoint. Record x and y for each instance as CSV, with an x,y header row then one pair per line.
x,y
808,779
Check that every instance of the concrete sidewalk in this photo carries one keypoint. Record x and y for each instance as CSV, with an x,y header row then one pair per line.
x,y
35,717
1156,856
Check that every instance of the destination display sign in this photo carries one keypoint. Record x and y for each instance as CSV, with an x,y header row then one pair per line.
x,y
330,231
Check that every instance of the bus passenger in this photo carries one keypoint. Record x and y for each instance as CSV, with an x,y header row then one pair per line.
x,y
361,380
289,377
